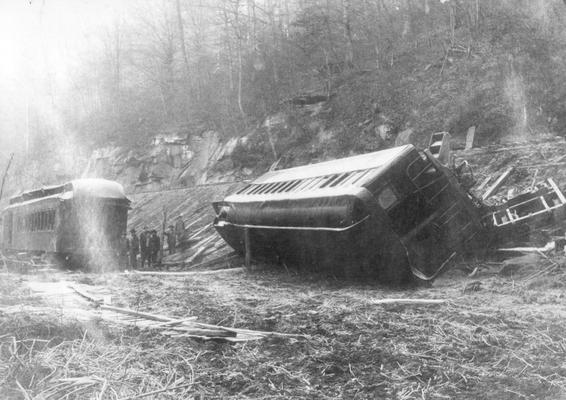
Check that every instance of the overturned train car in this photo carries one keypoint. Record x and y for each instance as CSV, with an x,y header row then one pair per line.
x,y
80,223
395,214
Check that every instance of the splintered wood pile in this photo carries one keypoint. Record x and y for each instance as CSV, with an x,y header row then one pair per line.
x,y
529,164
178,327
195,206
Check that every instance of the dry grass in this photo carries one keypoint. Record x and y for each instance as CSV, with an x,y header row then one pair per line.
x,y
504,340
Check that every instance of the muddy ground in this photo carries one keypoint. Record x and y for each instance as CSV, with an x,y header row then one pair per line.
x,y
499,336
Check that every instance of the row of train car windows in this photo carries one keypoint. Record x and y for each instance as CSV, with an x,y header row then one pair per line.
x,y
299,185
37,221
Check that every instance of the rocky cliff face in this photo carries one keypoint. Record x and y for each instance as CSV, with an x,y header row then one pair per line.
x,y
168,162
299,135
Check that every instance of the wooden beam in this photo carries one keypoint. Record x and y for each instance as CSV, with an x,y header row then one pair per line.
x,y
184,273
484,183
247,245
498,183
418,302
470,137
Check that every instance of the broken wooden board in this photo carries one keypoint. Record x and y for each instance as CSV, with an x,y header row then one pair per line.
x,y
180,327
498,183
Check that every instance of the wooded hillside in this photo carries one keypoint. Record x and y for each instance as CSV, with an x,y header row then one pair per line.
x,y
232,66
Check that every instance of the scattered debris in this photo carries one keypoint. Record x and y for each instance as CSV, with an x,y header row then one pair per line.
x,y
439,147
498,183
474,286
181,327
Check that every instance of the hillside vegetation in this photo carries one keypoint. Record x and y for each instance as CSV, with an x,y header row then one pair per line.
x,y
302,81
430,65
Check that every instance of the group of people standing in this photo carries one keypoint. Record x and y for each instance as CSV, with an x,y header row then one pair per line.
x,y
148,244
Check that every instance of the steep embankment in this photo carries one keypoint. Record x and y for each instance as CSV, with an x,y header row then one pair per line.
x,y
154,209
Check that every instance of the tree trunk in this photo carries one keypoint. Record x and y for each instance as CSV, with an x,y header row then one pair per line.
x,y
238,32
349,57
182,43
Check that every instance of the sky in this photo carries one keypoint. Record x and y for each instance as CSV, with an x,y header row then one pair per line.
x,y
41,44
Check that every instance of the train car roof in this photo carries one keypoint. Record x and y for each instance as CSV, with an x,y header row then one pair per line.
x,y
101,188
378,159
91,187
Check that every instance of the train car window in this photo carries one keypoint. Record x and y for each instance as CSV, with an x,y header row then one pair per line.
x,y
416,168
361,175
329,180
242,190
340,179
249,189
304,184
275,188
387,198
272,187
51,220
283,187
262,188
315,183
254,189
265,188
351,177
292,186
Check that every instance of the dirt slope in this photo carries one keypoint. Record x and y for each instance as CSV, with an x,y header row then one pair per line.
x,y
195,204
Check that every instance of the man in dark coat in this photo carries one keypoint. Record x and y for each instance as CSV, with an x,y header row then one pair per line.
x,y
144,247
180,231
154,247
123,251
171,240
133,248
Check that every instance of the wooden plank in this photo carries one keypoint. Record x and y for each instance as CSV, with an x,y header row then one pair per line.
x,y
175,322
185,273
143,315
470,136
484,183
498,183
556,189
247,245
226,257
418,302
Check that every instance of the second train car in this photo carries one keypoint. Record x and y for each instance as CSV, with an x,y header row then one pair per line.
x,y
394,213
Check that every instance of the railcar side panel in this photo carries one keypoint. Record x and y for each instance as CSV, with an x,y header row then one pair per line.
x,y
33,226
82,220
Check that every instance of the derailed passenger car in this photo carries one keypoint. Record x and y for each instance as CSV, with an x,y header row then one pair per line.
x,y
80,222
389,213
